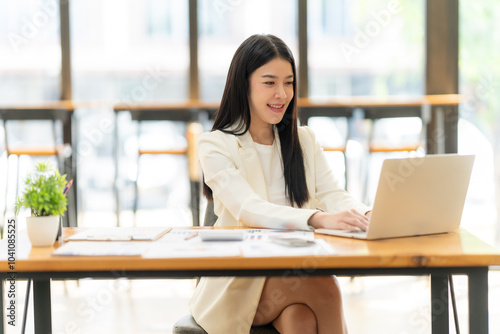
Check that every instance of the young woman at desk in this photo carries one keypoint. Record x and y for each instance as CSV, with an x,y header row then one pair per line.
x,y
262,170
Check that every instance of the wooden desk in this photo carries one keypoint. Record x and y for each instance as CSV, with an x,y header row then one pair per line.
x,y
437,256
61,111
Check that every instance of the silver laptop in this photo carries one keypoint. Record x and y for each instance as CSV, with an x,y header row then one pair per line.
x,y
417,196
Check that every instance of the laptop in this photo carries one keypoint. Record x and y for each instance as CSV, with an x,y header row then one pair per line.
x,y
417,196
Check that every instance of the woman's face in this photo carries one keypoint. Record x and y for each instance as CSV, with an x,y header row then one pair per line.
x,y
271,90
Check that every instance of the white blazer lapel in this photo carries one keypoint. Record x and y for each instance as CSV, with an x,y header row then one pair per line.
x,y
251,164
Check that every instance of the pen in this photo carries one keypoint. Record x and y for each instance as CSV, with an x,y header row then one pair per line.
x,y
191,235
68,185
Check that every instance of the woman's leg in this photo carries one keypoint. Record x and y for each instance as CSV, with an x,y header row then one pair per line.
x,y
296,319
320,295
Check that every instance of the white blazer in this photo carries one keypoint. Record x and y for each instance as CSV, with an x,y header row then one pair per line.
x,y
233,171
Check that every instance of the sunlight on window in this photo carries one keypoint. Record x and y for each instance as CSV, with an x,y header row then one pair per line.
x,y
131,51
30,60
366,47
224,24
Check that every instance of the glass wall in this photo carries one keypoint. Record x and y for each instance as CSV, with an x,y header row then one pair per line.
x,y
30,71
479,61
30,57
366,47
138,52
223,25
130,51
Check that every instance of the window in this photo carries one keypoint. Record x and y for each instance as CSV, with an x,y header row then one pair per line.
x,y
225,24
130,51
30,60
478,128
361,47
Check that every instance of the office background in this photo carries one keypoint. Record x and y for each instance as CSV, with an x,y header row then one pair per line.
x,y
110,52
100,53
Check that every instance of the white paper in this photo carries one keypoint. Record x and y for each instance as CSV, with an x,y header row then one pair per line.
x,y
269,249
193,248
100,248
257,243
119,234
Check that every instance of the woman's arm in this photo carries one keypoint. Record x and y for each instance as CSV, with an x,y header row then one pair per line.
x,y
341,209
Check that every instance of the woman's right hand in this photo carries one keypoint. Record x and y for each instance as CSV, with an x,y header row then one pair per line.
x,y
349,220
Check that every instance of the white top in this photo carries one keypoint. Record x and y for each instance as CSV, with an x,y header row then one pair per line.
x,y
270,160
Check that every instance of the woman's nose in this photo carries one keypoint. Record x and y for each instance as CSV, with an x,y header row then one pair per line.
x,y
280,92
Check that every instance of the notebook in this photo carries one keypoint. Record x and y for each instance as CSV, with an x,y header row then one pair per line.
x,y
417,196
120,234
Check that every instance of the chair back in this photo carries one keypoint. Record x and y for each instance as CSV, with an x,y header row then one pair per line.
x,y
210,217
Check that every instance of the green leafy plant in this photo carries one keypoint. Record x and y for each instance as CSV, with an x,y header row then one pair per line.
x,y
45,192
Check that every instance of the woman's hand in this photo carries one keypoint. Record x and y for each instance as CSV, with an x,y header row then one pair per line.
x,y
349,220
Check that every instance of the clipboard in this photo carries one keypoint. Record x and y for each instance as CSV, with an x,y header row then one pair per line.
x,y
120,234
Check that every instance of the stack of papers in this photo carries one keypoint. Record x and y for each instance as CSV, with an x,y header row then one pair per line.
x,y
99,248
120,234
256,243
186,243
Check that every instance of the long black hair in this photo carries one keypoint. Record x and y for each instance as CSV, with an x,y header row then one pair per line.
x,y
234,117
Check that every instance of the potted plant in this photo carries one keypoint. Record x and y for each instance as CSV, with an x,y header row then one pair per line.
x,y
45,194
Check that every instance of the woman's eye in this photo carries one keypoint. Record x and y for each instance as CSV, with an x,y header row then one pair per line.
x,y
269,83
289,83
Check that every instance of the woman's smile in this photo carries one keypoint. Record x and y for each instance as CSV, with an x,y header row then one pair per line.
x,y
277,108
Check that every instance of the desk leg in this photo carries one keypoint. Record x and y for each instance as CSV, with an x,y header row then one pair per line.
x,y
439,304
42,306
478,301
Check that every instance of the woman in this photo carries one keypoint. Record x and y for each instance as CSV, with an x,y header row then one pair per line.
x,y
262,170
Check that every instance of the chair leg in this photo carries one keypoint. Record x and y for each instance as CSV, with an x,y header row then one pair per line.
x,y
4,210
26,306
18,168
366,180
2,295
136,191
345,170
454,304
136,186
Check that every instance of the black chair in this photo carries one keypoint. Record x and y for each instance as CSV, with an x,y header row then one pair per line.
x,y
187,325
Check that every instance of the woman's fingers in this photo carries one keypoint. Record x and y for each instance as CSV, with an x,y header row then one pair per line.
x,y
349,220
352,220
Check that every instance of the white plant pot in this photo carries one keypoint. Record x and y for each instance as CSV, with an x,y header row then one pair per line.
x,y
42,231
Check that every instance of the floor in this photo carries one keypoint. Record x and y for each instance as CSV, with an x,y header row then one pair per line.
x,y
375,305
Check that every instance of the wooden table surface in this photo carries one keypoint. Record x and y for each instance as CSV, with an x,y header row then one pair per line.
x,y
358,101
339,101
439,256
460,249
